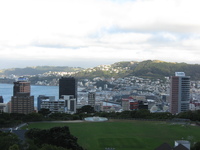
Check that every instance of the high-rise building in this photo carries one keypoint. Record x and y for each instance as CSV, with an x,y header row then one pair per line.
x,y
21,86
91,98
2,105
21,101
1,99
68,86
22,104
179,93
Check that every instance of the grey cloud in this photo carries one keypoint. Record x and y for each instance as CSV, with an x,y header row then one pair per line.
x,y
52,45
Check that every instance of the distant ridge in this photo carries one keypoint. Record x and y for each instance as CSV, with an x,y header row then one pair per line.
x,y
147,69
38,70
154,69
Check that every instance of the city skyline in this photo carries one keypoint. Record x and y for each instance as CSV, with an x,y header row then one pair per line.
x,y
95,32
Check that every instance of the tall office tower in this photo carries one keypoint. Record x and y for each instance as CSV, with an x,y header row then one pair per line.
x,y
179,93
2,105
21,86
1,99
68,86
91,98
21,101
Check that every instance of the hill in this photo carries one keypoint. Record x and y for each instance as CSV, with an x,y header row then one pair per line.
x,y
154,69
160,69
38,70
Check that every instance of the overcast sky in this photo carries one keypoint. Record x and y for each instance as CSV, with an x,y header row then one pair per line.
x,y
87,33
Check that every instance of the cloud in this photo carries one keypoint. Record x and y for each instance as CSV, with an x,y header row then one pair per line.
x,y
101,30
161,15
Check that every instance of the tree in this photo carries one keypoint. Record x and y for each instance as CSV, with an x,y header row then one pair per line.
x,y
57,136
33,117
51,147
125,114
60,116
86,109
8,140
14,147
44,112
196,146
29,145
143,113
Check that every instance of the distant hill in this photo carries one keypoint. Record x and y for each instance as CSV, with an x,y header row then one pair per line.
x,y
147,69
38,70
159,69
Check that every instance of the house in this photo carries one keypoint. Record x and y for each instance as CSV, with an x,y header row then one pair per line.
x,y
164,146
179,145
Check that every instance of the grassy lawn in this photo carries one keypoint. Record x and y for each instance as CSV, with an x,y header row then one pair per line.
x,y
126,135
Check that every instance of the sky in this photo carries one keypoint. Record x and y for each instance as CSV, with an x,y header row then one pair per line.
x,y
88,33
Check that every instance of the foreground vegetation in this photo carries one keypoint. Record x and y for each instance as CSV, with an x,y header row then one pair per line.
x,y
56,138
126,135
59,137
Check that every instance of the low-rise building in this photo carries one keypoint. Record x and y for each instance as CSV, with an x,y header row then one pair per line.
x,y
53,105
66,104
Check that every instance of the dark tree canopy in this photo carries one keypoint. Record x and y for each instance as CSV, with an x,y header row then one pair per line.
x,y
86,109
8,140
196,146
44,111
58,136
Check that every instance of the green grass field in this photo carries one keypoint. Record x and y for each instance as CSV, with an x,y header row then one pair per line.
x,y
126,135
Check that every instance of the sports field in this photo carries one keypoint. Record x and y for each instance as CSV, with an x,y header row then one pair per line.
x,y
126,135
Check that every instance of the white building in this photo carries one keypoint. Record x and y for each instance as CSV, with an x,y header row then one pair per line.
x,y
53,105
3,107
67,104
183,142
